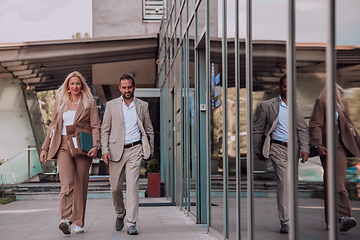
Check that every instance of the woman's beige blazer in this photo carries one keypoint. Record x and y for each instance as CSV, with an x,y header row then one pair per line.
x,y
89,116
348,133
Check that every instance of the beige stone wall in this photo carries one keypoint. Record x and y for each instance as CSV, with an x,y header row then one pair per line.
x,y
120,18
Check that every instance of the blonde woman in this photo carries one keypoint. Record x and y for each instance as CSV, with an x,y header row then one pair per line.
x,y
348,141
75,103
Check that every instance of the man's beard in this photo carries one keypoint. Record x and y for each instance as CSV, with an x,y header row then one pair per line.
x,y
131,95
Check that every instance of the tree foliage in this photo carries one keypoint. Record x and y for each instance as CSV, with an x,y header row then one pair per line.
x,y
78,35
353,98
47,99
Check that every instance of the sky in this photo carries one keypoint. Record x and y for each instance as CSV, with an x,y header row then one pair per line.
x,y
270,20
35,20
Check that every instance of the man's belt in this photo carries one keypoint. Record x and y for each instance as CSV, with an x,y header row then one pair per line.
x,y
279,142
129,145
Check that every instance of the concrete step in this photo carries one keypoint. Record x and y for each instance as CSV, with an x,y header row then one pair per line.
x,y
51,190
21,196
258,185
101,189
55,186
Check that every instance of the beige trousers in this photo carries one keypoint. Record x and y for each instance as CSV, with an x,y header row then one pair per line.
x,y
74,179
279,157
129,166
344,205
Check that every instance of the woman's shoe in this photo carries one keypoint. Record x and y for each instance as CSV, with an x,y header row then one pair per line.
x,y
78,229
346,223
64,226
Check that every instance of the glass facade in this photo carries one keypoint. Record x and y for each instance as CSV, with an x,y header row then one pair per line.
x,y
214,69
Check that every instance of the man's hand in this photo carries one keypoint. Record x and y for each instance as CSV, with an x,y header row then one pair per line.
x,y
322,151
148,159
261,157
106,158
304,155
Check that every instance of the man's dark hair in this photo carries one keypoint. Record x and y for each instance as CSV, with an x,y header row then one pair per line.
x,y
127,77
281,82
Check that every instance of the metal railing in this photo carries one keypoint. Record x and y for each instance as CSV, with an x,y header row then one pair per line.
x,y
28,149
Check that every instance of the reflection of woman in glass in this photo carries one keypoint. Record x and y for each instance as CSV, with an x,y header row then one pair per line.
x,y
347,145
75,104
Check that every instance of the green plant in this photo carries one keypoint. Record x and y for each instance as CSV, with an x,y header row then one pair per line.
x,y
153,166
2,188
2,191
5,200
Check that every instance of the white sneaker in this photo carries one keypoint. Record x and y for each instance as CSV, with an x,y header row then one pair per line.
x,y
78,229
346,223
64,226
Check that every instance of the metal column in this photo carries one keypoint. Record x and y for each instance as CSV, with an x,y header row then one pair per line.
x,y
208,135
187,114
331,130
187,125
225,119
249,121
181,53
237,95
291,102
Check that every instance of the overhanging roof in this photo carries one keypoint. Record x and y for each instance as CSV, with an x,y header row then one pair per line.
x,y
44,65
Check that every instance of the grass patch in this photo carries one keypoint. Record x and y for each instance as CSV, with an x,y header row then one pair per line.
x,y
5,200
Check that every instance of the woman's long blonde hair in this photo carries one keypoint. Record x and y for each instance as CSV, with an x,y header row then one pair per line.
x,y
339,94
64,96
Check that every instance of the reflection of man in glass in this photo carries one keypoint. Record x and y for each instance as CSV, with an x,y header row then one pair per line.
x,y
272,114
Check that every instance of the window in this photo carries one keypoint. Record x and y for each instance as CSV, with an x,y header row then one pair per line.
x,y
152,9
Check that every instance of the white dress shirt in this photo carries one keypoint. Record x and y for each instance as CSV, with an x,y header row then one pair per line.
x,y
280,132
132,130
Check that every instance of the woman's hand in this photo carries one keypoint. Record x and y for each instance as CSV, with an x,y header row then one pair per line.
x,y
43,155
93,152
322,151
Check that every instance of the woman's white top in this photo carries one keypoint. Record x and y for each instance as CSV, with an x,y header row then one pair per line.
x,y
337,120
68,119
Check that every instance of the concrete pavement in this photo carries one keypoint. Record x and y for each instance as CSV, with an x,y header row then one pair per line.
x,y
21,220
266,221
39,220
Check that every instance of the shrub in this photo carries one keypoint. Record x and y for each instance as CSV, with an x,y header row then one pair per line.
x,y
153,166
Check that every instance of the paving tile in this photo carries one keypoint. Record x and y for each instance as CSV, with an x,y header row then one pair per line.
x,y
39,220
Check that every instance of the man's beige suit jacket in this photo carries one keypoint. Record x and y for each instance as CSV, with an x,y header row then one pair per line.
x,y
267,117
113,129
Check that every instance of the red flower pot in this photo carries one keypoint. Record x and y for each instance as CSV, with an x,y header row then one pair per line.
x,y
154,189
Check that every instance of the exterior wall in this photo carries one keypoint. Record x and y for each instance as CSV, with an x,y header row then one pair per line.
x,y
109,74
17,132
120,18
